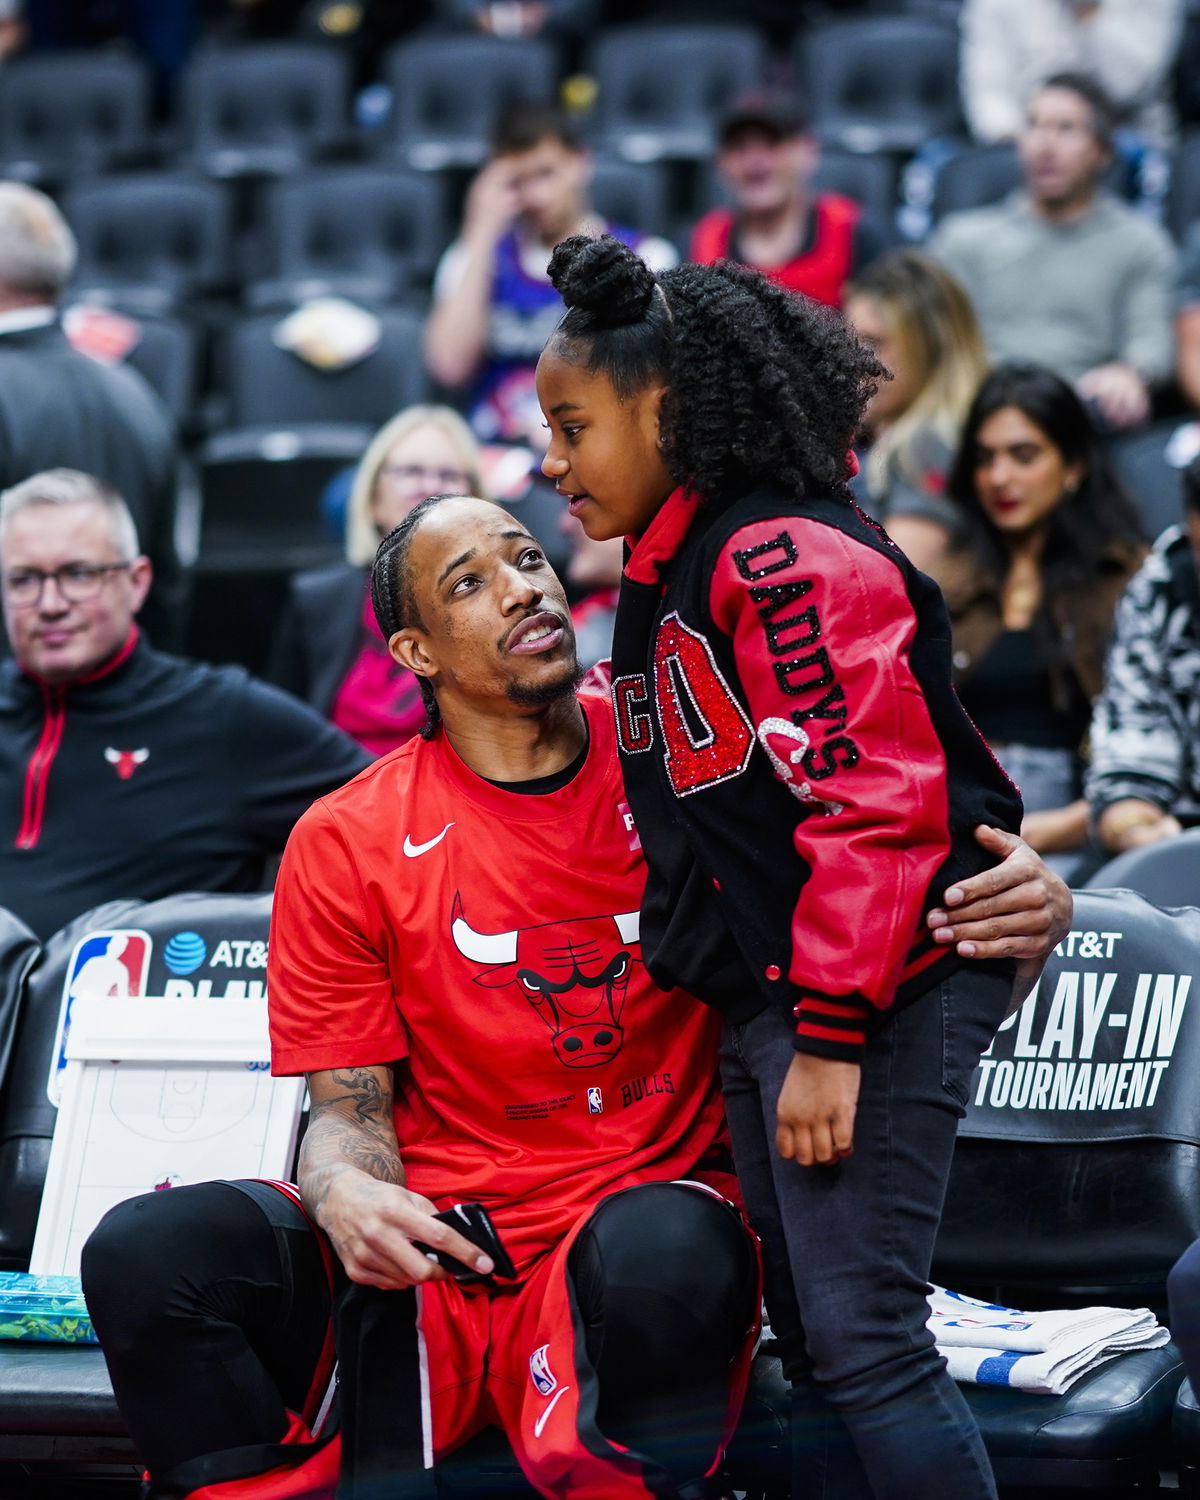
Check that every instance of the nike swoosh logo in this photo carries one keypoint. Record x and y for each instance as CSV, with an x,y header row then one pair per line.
x,y
413,850
541,1421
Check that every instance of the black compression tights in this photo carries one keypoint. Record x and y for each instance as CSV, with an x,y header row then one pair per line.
x,y
212,1318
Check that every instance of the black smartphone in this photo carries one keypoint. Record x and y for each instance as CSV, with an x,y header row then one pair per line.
x,y
472,1222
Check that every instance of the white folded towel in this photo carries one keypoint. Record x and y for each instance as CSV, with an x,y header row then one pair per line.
x,y
1044,1352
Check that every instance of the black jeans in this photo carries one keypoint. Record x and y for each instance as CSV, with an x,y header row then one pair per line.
x,y
212,1314
847,1248
1183,1293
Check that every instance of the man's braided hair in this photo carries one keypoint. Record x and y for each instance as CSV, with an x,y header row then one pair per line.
x,y
393,596
763,387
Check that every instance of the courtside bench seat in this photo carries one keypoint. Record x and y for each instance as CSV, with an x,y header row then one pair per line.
x,y
57,1407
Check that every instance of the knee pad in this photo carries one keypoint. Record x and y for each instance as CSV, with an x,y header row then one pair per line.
x,y
171,1246
665,1276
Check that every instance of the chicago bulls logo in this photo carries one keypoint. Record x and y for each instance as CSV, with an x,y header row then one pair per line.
x,y
575,974
126,761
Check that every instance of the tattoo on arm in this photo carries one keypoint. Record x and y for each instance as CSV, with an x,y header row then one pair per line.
x,y
351,1127
365,1095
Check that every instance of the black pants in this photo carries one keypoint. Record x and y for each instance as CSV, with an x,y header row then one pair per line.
x,y
212,1307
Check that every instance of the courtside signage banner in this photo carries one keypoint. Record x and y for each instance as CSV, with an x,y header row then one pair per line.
x,y
202,959
1107,1047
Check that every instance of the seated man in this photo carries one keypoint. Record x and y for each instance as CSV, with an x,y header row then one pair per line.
x,y
807,241
125,773
1144,779
493,305
455,965
1061,273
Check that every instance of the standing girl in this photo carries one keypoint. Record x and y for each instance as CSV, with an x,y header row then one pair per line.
x,y
805,785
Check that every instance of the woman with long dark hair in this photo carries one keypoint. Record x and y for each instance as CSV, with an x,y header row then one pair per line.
x,y
1050,538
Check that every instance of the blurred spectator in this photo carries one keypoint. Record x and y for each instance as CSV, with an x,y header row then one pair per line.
x,y
1050,541
918,320
1144,781
125,773
12,27
807,241
494,306
594,573
1187,317
1010,47
1062,273
328,649
59,407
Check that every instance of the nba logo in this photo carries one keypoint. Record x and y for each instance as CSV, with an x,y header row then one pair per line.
x,y
540,1372
104,963
595,1102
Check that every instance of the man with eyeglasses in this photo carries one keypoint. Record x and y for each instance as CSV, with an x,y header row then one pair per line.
x,y
126,773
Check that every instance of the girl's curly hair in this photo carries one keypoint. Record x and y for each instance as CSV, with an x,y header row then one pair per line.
x,y
762,386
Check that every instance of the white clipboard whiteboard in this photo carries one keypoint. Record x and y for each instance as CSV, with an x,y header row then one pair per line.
x,y
158,1093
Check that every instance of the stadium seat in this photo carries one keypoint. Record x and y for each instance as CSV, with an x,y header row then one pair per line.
x,y
260,496
1182,207
69,113
975,176
19,951
448,90
1167,873
881,82
149,239
163,350
264,109
659,88
260,521
634,195
1185,1438
1076,1181
268,385
368,233
1140,459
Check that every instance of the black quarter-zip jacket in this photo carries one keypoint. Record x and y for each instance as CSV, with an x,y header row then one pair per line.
x,y
153,776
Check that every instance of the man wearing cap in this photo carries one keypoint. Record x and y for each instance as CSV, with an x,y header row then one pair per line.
x,y
807,241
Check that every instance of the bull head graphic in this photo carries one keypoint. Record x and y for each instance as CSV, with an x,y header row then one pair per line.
x,y
575,974
126,761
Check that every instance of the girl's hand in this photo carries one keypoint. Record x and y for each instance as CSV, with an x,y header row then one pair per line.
x,y
816,1110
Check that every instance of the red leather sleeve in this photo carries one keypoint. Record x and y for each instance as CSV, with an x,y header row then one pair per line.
x,y
822,627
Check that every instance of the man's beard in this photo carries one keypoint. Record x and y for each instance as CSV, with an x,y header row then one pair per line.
x,y
542,694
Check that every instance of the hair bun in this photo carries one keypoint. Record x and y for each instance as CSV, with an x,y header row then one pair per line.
x,y
602,277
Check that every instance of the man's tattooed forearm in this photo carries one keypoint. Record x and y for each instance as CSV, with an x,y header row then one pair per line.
x,y
334,1143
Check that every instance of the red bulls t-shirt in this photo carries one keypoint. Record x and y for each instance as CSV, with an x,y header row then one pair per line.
x,y
486,941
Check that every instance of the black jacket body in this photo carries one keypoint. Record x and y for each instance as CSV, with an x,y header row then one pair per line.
x,y
160,775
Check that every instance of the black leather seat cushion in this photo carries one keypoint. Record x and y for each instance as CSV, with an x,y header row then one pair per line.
x,y
1185,1431
1111,1428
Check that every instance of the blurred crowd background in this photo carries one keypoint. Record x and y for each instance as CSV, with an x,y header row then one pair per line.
x,y
317,233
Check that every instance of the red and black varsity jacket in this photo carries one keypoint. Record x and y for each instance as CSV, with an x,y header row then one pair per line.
x,y
804,779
